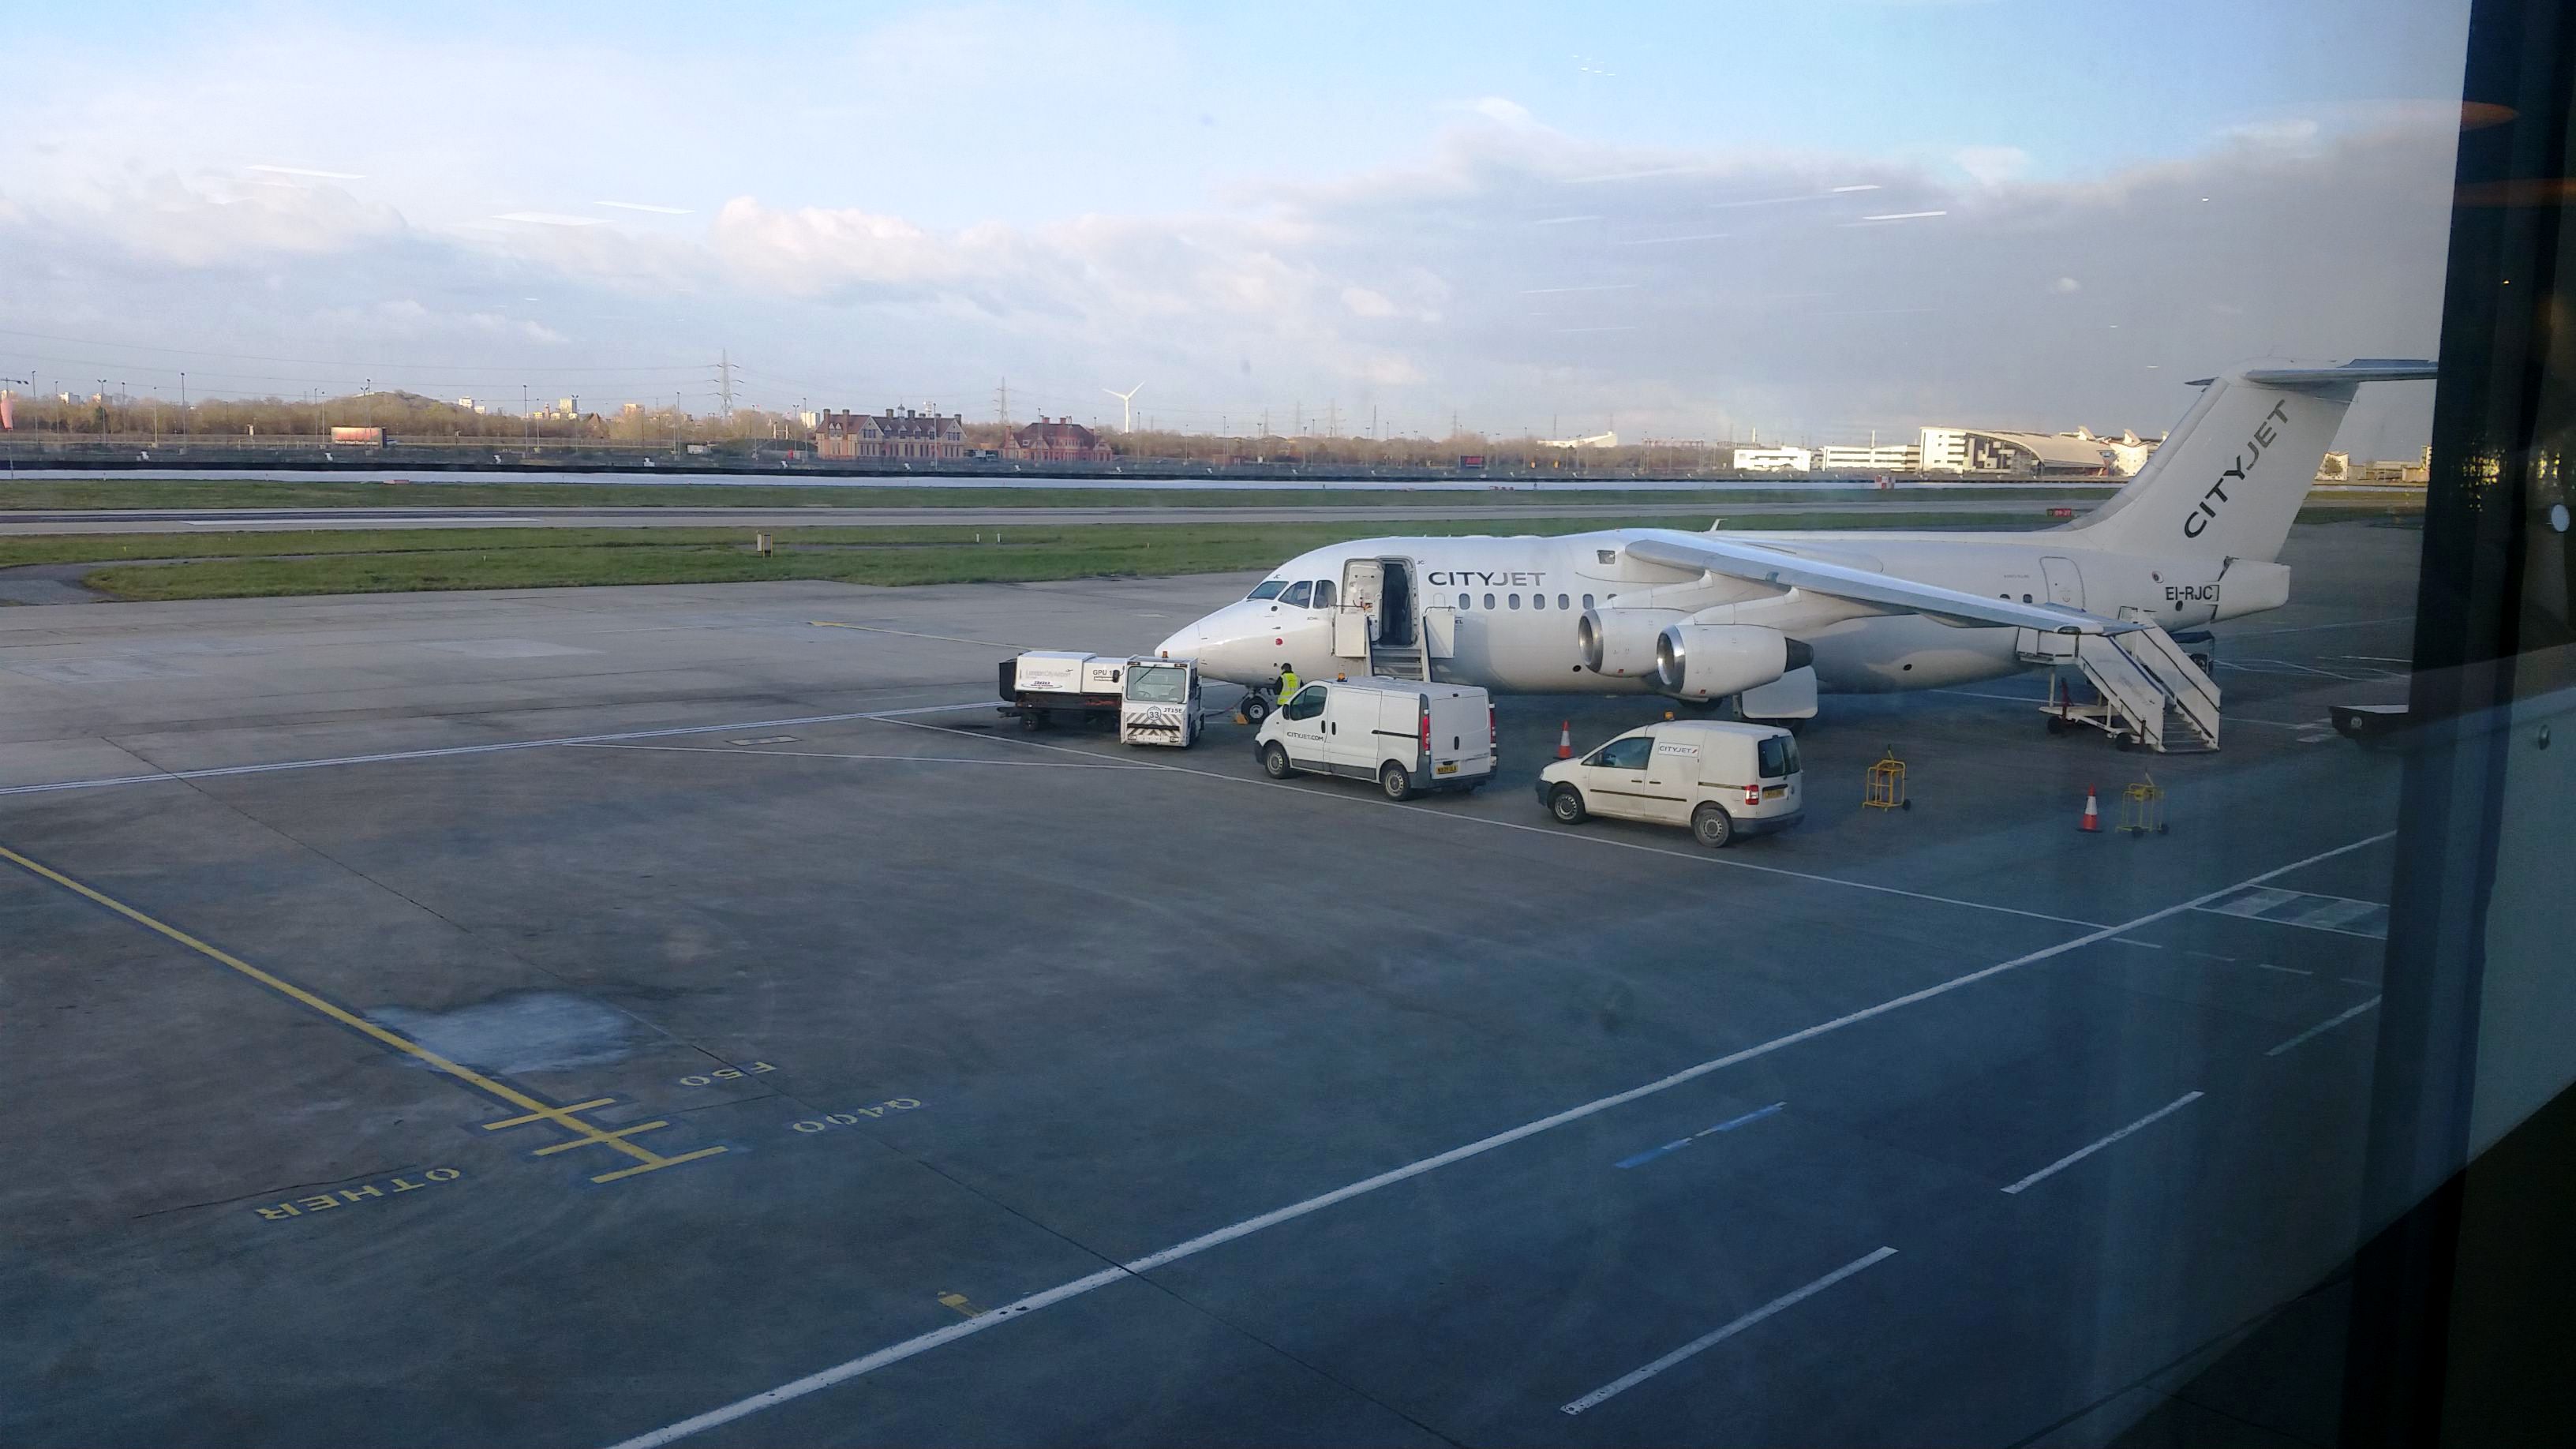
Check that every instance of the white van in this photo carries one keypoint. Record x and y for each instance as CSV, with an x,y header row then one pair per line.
x,y
1406,734
1720,778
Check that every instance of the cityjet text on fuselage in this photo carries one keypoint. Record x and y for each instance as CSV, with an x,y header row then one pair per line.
x,y
1455,578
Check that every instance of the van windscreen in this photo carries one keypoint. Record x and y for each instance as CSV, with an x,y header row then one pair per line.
x,y
1778,757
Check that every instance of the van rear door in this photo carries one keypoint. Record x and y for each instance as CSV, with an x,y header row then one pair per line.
x,y
1776,761
1461,733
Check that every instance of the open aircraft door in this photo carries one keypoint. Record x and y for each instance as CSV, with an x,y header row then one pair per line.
x,y
1363,592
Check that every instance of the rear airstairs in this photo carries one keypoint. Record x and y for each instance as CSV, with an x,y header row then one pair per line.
x,y
2147,690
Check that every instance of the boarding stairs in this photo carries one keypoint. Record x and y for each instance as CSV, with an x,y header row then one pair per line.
x,y
1401,661
2147,691
1404,645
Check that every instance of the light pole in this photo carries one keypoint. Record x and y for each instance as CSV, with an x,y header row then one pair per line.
x,y
184,429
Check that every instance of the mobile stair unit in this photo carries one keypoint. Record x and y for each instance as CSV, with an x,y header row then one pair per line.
x,y
2147,692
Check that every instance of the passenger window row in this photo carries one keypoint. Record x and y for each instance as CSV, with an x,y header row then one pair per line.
x,y
1537,601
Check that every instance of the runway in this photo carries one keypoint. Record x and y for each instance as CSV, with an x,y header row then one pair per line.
x,y
183,521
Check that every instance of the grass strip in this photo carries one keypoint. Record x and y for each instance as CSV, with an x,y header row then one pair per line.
x,y
244,565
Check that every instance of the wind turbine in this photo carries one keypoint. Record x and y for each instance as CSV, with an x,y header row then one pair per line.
x,y
1126,406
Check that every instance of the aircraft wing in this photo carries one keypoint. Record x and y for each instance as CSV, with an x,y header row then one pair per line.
x,y
1884,592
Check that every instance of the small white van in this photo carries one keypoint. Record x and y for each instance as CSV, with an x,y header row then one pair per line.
x,y
1406,734
1720,778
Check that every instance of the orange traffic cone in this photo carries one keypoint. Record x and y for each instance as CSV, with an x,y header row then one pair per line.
x,y
2092,821
1565,740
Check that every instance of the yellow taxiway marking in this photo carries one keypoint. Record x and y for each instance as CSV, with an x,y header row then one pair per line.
x,y
602,1137
958,1302
584,1133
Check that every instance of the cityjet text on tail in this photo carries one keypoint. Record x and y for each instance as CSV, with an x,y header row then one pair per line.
x,y
1771,619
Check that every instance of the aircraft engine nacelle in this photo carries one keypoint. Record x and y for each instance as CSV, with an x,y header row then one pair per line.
x,y
1621,642
1712,661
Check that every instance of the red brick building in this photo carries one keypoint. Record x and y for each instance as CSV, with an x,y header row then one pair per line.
x,y
1058,442
905,434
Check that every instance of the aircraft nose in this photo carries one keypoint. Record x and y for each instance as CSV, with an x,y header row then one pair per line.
x,y
1186,643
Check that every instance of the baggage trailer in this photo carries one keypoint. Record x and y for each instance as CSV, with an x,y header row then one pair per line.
x,y
1149,701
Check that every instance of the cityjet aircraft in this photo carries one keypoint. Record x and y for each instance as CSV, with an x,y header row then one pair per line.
x,y
1769,619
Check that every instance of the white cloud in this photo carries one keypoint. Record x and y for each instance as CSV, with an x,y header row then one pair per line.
x,y
2287,133
1364,303
1718,287
1991,165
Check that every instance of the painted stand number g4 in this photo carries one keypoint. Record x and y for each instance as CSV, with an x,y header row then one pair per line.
x,y
727,1074
851,1119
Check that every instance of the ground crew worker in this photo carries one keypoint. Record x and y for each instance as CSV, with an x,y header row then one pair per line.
x,y
1287,681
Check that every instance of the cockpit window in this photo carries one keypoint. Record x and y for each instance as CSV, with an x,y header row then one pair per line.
x,y
1298,595
1267,589
1323,593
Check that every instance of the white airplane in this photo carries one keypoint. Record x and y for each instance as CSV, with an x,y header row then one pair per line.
x,y
1769,619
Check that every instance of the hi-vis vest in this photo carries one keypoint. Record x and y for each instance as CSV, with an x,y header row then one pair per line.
x,y
1287,684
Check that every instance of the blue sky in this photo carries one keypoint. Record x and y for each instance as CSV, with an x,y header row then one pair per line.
x,y
1361,199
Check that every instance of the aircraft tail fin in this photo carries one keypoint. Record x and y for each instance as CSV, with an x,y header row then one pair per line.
x,y
2227,481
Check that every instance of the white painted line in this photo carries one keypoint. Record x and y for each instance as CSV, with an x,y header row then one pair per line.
x,y
898,759
1371,799
1715,1337
896,1353
2079,1154
390,756
2323,1027
911,634
2284,970
2313,628
299,523
2307,910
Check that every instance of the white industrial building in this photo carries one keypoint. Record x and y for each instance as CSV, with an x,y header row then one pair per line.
x,y
1750,459
2078,454
1870,458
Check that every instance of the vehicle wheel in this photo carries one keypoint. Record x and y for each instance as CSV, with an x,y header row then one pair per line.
x,y
1395,780
2056,726
2203,661
1905,805
1031,721
2126,742
1712,826
1566,804
1274,762
1256,707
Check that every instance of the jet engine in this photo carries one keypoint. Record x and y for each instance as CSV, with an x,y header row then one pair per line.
x,y
1711,661
1621,642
